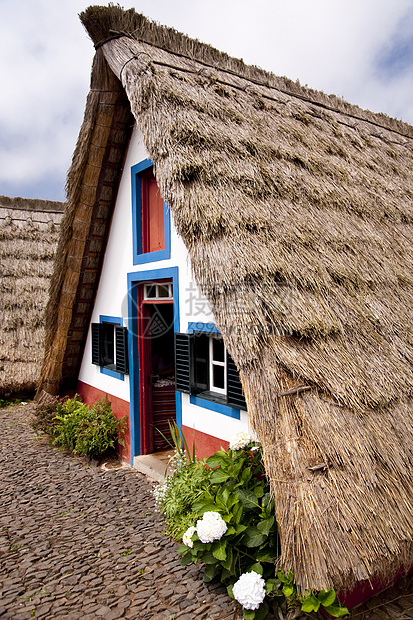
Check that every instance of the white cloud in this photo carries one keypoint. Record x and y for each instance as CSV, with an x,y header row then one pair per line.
x,y
360,50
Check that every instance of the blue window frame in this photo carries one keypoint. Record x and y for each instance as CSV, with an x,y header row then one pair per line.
x,y
139,256
205,371
109,346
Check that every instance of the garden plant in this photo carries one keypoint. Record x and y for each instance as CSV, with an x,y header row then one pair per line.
x,y
86,430
223,511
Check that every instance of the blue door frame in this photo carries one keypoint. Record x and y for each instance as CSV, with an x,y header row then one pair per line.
x,y
134,279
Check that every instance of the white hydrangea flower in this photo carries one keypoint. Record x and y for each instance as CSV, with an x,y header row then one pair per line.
x,y
249,590
240,440
187,537
211,527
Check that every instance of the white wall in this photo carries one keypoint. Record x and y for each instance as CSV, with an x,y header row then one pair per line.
x,y
111,300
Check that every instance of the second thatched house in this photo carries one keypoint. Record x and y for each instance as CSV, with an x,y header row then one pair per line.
x,y
29,230
283,252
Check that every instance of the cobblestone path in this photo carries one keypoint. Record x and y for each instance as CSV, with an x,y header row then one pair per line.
x,y
77,542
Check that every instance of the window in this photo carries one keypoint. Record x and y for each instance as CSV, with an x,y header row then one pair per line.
x,y
151,217
204,368
109,346
157,292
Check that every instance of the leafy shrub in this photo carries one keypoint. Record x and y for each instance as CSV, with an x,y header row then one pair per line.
x,y
89,431
45,417
177,494
174,498
71,424
223,511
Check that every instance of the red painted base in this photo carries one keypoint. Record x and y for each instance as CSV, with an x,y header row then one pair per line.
x,y
365,590
120,408
205,445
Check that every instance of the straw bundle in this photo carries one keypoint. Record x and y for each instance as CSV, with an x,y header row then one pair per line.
x,y
296,209
28,236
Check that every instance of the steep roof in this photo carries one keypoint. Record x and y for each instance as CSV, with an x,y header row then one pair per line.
x,y
29,232
296,209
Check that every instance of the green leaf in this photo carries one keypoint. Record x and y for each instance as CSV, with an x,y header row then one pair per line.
x,y
327,598
336,610
202,506
286,578
266,525
247,498
225,495
271,585
210,572
253,537
218,476
248,614
219,550
232,500
182,549
216,461
227,564
246,475
259,490
229,590
310,603
187,559
288,590
208,557
262,611
238,512
264,555
240,528
257,568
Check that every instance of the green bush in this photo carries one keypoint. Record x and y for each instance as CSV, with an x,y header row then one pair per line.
x,y
223,511
73,425
88,431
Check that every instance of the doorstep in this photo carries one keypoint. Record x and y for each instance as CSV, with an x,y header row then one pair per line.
x,y
155,465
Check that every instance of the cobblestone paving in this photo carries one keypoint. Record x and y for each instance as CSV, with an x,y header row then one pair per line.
x,y
77,542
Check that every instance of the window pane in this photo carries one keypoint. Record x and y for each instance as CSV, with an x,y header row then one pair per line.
x,y
218,380
150,291
163,290
201,362
108,344
218,350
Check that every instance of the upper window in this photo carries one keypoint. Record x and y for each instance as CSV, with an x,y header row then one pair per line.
x,y
109,346
157,292
204,368
151,217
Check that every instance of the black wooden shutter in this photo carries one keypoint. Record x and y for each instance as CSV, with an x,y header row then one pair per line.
x,y
235,393
96,337
183,362
121,346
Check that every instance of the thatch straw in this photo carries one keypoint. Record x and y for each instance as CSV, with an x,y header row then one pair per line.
x,y
296,209
28,236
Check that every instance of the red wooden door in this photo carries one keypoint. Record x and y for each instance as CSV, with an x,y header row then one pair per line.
x,y
156,371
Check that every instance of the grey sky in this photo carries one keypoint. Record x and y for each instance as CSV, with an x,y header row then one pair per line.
x,y
361,50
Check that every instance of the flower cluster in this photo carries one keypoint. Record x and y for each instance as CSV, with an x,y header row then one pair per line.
x,y
211,527
249,590
159,492
241,440
187,537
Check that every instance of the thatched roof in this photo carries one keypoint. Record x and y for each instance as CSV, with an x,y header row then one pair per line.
x,y
296,209
29,232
